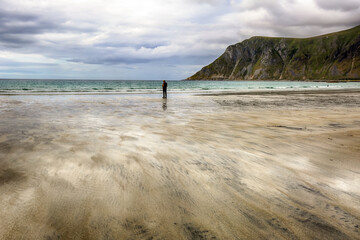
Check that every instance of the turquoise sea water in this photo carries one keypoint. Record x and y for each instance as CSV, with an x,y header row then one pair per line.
x,y
147,86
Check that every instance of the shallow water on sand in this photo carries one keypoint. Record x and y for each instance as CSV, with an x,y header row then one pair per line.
x,y
189,167
29,86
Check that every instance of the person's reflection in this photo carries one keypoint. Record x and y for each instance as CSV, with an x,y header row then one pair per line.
x,y
164,105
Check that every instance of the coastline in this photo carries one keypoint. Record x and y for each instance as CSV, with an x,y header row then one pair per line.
x,y
92,87
275,91
279,80
285,92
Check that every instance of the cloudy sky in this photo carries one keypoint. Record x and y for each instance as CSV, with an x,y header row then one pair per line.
x,y
148,39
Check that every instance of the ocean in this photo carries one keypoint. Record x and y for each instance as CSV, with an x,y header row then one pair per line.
x,y
24,86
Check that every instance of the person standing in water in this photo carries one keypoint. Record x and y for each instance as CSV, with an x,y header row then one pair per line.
x,y
164,86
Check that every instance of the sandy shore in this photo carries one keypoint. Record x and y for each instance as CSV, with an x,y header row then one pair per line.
x,y
258,166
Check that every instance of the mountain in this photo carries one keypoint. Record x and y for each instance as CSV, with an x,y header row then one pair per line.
x,y
334,56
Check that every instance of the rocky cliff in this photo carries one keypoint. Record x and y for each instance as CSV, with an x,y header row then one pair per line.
x,y
334,56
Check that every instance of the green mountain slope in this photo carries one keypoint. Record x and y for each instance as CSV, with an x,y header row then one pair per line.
x,y
334,56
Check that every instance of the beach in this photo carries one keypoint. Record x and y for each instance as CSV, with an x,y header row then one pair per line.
x,y
259,165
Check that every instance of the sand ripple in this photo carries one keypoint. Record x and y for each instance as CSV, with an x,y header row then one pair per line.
x,y
190,167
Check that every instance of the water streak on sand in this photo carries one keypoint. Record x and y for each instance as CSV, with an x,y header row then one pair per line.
x,y
280,166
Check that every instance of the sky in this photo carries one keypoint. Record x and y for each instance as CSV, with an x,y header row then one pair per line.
x,y
148,39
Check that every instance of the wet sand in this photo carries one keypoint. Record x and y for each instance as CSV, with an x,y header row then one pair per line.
x,y
259,166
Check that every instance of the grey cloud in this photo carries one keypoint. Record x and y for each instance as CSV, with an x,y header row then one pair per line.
x,y
6,14
145,44
256,4
13,22
13,31
110,60
187,60
18,29
14,41
196,39
343,5
210,2
284,19
106,58
22,71
124,59
7,63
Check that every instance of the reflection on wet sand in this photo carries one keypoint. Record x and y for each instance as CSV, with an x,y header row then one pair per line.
x,y
209,167
164,105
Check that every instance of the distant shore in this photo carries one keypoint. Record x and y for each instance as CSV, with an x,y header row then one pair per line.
x,y
285,92
278,80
